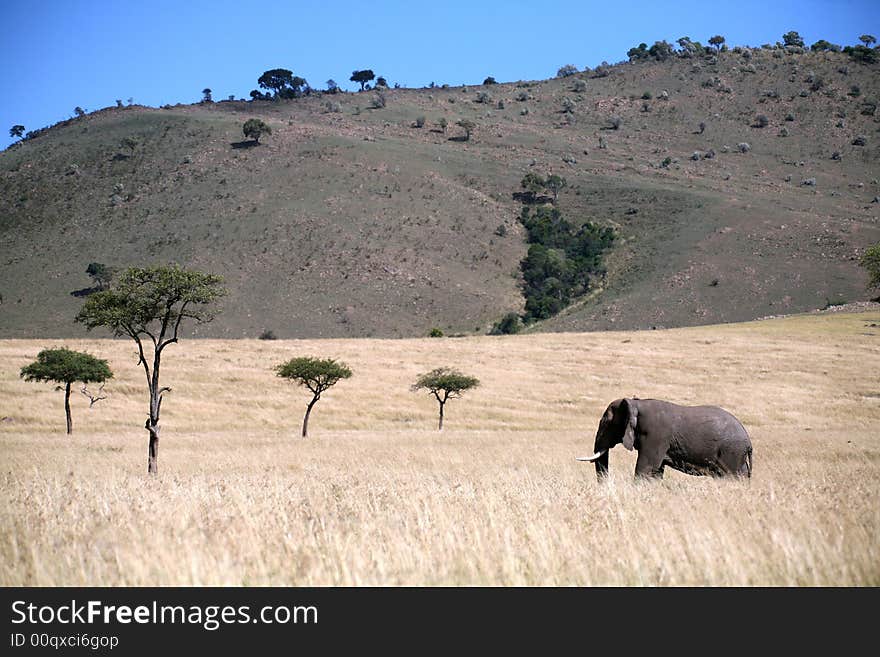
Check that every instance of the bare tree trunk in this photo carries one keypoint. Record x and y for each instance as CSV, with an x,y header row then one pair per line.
x,y
440,427
153,458
305,431
67,408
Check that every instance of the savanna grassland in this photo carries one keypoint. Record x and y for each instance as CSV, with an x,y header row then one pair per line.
x,y
377,496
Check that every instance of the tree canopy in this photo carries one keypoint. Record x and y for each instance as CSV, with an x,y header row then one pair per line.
x,y
717,41
468,126
362,77
793,39
555,183
16,131
63,365
101,274
254,128
871,262
276,80
316,374
152,302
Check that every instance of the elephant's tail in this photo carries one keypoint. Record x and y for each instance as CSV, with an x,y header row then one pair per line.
x,y
749,461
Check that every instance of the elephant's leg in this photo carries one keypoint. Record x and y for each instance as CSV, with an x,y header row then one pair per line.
x,y
650,464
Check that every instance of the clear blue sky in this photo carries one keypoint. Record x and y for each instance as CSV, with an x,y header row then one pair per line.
x,y
61,54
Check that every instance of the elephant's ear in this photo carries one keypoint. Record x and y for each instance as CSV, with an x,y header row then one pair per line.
x,y
631,410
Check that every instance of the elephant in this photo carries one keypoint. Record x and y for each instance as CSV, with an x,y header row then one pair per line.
x,y
696,440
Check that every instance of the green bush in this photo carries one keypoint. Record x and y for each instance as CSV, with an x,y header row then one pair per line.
x,y
507,325
560,261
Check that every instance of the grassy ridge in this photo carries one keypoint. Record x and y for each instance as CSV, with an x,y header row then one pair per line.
x,y
376,496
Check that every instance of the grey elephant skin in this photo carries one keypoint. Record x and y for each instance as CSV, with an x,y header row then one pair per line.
x,y
696,440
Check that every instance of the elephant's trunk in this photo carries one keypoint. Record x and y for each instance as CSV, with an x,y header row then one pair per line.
x,y
602,466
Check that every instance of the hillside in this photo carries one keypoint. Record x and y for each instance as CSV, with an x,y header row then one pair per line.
x,y
348,221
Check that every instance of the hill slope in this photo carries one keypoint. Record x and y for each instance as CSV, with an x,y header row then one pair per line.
x,y
355,223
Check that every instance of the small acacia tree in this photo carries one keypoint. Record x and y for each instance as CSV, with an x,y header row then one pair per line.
x,y
792,38
445,384
717,41
316,374
362,77
131,143
101,274
468,126
871,262
253,128
149,305
66,367
16,131
533,184
555,183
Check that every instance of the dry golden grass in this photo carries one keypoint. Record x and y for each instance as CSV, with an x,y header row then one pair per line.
x,y
377,496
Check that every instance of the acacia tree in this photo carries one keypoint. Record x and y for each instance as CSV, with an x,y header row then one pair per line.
x,y
793,39
555,183
16,131
868,39
533,184
149,305
66,367
253,128
276,79
468,126
717,41
130,143
362,77
316,374
101,274
445,384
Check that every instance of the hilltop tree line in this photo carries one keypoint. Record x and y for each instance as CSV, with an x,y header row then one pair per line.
x,y
281,83
791,41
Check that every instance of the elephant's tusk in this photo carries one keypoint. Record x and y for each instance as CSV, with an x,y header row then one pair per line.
x,y
593,457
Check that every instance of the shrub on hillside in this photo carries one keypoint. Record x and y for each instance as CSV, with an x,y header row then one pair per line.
x,y
871,262
254,128
761,121
566,71
507,325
